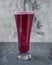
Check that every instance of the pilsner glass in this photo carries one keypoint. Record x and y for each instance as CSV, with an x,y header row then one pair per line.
x,y
24,21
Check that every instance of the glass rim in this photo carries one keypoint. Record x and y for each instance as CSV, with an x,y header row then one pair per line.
x,y
23,12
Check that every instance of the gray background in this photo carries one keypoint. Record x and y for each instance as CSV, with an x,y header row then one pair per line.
x,y
43,14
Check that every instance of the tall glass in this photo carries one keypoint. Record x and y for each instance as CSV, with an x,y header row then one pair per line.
x,y
24,21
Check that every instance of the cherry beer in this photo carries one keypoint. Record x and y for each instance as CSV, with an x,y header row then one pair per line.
x,y
24,24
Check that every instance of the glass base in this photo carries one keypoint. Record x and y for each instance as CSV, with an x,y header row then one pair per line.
x,y
26,56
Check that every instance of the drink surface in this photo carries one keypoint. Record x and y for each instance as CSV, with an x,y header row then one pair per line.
x,y
24,24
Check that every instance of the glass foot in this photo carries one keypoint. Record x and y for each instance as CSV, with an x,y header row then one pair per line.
x,y
26,56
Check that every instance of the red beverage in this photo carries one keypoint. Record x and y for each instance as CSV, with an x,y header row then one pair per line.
x,y
24,24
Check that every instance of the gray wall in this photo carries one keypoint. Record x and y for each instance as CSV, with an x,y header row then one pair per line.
x,y
42,26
